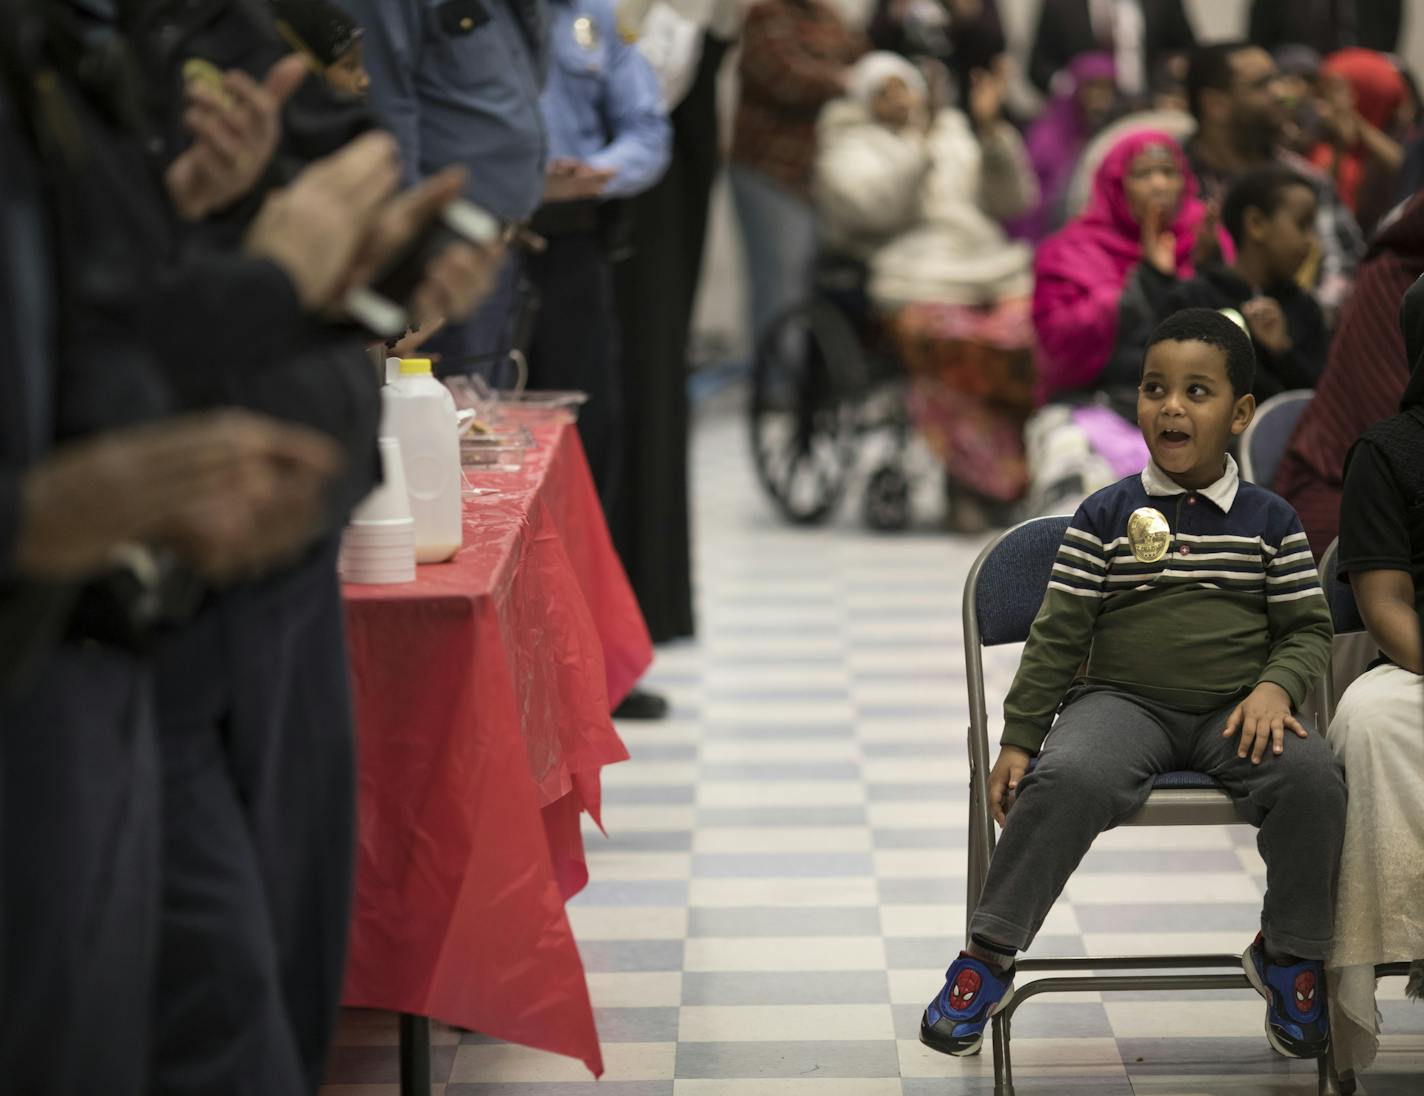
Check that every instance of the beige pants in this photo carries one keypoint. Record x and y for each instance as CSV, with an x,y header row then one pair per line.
x,y
1378,733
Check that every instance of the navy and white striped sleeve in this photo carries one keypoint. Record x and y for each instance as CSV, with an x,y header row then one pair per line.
x,y
1061,636
1081,567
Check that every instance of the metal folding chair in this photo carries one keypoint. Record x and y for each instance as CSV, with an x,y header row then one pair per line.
x,y
1347,619
1265,440
1002,596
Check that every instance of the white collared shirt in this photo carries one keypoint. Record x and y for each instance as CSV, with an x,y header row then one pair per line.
x,y
1222,492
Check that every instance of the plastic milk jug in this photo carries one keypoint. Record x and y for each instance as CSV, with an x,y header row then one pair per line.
x,y
419,411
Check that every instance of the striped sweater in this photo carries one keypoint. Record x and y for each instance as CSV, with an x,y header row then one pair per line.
x,y
1234,602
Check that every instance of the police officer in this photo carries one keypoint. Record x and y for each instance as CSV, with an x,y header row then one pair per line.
x,y
253,705
257,824
609,139
78,832
458,82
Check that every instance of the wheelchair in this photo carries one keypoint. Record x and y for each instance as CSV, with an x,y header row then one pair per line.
x,y
825,378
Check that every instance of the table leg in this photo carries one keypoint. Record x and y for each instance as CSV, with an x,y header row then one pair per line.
x,y
414,1055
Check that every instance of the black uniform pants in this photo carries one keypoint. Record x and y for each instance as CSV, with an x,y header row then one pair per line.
x,y
257,765
78,896
575,344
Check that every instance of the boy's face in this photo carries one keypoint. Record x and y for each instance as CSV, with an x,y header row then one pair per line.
x,y
1187,412
348,76
1288,236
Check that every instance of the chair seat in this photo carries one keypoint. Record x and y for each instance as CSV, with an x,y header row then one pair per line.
x,y
1180,780
1185,780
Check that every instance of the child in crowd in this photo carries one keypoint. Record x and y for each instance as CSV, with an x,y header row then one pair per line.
x,y
1378,730
1270,214
1190,602
331,41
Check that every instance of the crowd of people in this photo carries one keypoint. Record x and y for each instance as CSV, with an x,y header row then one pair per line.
x,y
1019,263
195,198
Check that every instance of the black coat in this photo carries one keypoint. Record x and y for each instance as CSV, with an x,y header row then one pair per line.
x,y
1327,25
1216,286
1065,29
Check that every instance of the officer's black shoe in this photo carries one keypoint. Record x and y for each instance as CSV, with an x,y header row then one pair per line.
x,y
642,705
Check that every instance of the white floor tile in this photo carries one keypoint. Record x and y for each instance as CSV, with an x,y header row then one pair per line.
x,y
733,893
1164,888
780,793
628,922
785,1023
797,1086
628,866
653,989
785,953
637,818
502,1063
769,839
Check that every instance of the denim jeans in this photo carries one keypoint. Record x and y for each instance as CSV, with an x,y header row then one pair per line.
x,y
779,240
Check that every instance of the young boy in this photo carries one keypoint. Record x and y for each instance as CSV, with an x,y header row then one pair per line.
x,y
1193,599
1270,214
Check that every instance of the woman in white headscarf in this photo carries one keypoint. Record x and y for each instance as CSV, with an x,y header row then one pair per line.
x,y
920,194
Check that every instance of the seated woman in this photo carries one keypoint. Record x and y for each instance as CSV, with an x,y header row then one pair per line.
x,y
1378,731
918,194
1079,109
1360,148
1107,272
1365,372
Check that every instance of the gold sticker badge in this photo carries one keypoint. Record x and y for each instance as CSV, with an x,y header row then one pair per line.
x,y
1149,534
197,70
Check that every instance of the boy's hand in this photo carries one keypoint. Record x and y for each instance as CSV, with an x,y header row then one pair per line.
x,y
1268,324
1261,717
1004,780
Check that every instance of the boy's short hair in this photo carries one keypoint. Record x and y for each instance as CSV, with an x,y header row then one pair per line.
x,y
1262,188
1206,325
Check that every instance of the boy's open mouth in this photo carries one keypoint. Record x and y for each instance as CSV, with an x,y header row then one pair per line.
x,y
1174,437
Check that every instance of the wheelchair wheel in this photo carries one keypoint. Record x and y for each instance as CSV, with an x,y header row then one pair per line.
x,y
805,385
887,500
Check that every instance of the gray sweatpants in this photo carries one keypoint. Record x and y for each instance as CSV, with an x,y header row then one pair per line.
x,y
1097,767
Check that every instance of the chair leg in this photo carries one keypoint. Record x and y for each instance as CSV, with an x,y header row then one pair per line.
x,y
973,869
1329,1082
1002,1033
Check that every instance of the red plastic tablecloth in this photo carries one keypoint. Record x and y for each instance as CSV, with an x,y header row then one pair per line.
x,y
482,694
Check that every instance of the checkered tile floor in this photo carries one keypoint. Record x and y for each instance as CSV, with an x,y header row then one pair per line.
x,y
783,883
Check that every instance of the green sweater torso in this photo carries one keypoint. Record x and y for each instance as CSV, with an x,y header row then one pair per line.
x,y
1234,602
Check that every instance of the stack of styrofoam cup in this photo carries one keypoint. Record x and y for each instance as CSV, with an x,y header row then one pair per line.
x,y
378,546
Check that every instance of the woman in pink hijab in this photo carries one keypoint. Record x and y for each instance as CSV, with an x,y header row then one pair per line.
x,y
1098,286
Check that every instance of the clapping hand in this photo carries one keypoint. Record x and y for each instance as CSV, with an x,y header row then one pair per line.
x,y
235,130
573,180
1159,243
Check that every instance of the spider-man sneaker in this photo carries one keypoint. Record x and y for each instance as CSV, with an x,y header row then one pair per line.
x,y
1297,1024
973,992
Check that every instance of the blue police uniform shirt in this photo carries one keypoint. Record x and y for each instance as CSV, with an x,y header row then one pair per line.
x,y
602,103
458,82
